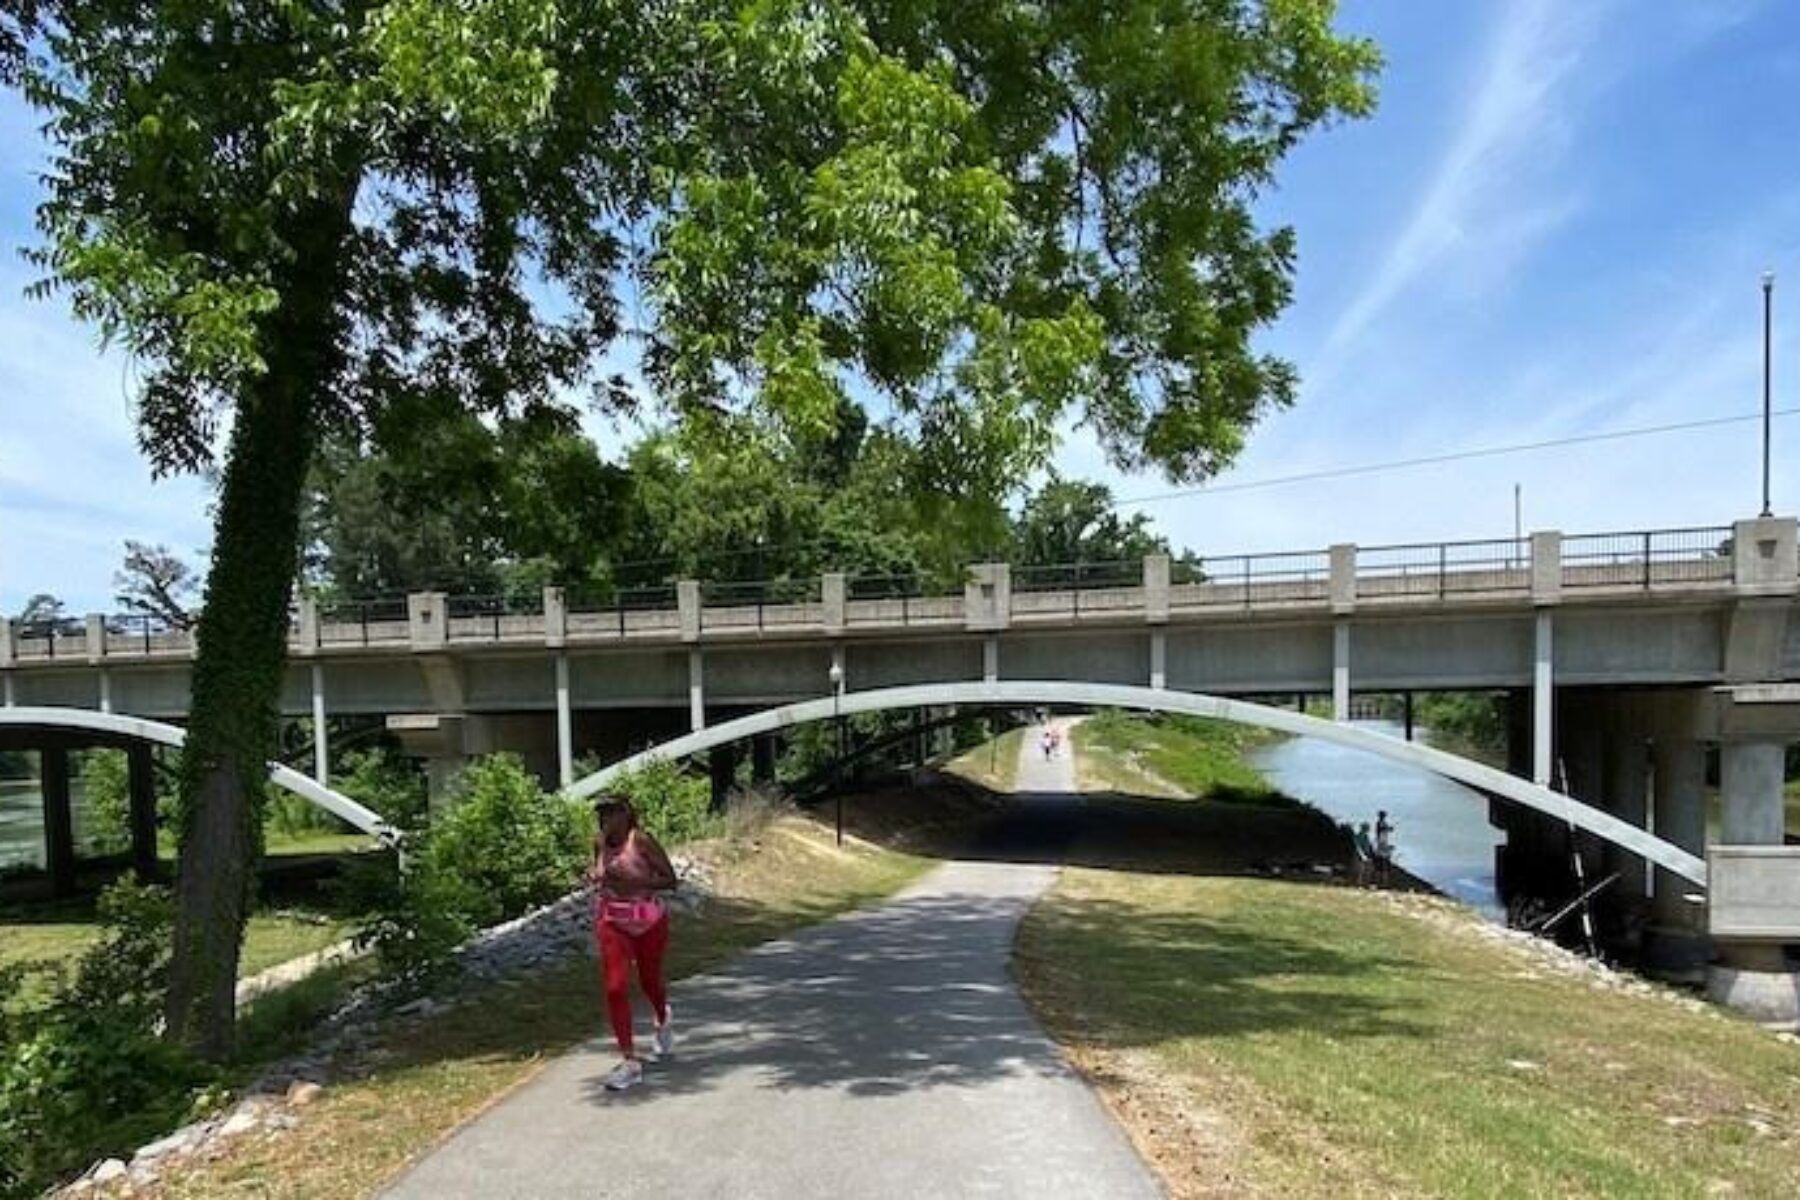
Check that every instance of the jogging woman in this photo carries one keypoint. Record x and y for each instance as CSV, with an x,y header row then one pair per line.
x,y
632,925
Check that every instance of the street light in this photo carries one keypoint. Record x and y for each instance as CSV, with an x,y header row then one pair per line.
x,y
836,675
1768,282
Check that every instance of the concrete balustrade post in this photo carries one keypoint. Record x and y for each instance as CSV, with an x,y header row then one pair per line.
x,y
1156,588
1546,567
687,603
987,597
1343,579
1764,557
833,592
9,643
428,621
306,637
96,637
556,617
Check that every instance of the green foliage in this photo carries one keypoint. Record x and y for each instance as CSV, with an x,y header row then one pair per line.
x,y
502,847
1070,521
387,783
1474,720
672,805
106,790
84,1075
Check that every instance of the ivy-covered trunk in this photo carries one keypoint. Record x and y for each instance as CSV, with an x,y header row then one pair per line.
x,y
242,638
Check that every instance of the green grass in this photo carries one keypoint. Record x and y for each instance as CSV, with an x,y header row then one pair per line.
x,y
994,764
1171,756
61,931
1324,1041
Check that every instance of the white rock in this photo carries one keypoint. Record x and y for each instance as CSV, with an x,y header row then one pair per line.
x,y
240,1122
1521,1064
108,1171
163,1146
303,1092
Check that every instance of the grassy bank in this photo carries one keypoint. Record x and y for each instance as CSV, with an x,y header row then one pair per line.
x,y
422,1079
1171,756
993,765
60,931
1269,1038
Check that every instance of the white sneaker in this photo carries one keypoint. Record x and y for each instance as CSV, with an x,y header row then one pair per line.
x,y
628,1073
665,1034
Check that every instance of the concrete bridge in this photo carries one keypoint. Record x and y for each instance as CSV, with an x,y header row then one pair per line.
x,y
1628,655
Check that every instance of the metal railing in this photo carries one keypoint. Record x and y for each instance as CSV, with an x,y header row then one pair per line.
x,y
361,622
1496,566
759,603
145,632
625,609
1646,558
1247,580
475,616
1076,588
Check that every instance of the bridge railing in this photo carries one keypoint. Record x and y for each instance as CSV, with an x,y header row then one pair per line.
x,y
380,619
760,604
1254,581
1077,588
481,618
650,610
903,599
1646,558
1498,566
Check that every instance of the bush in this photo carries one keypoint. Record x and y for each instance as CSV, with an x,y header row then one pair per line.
x,y
106,792
84,1075
672,805
387,783
502,847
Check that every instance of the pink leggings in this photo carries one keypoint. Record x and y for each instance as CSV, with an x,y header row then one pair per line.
x,y
617,951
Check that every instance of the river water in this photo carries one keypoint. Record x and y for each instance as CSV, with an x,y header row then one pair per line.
x,y
1441,831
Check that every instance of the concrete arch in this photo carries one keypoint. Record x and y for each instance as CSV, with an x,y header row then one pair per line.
x,y
1019,693
140,729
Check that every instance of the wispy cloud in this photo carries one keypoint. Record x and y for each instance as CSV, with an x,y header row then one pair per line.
x,y
1479,213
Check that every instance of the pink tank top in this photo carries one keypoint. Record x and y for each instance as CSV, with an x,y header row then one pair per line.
x,y
632,905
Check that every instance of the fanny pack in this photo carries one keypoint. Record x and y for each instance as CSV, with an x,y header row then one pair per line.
x,y
631,916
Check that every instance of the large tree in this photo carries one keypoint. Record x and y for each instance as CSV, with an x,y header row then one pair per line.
x,y
153,581
992,217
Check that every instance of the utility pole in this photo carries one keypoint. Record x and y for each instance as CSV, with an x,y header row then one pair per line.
x,y
1768,282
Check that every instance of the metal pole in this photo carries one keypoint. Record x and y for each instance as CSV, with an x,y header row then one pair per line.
x,y
1518,522
838,723
1768,286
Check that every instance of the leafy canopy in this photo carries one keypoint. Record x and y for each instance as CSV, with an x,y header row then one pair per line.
x,y
995,219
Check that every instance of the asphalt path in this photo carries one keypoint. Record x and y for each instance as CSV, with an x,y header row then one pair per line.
x,y
885,1053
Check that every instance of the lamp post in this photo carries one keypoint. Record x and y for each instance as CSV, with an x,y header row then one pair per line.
x,y
836,675
1768,284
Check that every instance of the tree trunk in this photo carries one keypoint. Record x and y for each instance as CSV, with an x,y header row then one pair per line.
x,y
242,637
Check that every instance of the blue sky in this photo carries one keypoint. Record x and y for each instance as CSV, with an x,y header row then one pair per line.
x,y
1553,225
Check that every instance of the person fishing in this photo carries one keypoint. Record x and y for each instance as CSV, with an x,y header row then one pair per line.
x,y
631,924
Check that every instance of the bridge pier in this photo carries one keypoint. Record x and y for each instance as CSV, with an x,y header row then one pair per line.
x,y
1676,942
59,818
1754,976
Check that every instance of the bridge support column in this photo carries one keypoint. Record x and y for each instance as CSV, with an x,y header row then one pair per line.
x,y
6,684
1543,699
565,721
1340,670
59,819
696,690
1159,660
105,690
762,760
140,760
722,764
1754,977
1627,776
1675,943
990,658
321,741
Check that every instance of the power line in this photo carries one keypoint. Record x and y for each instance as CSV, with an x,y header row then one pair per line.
x,y
1401,464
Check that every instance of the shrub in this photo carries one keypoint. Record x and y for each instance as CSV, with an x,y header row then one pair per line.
x,y
387,783
85,1075
106,792
672,805
502,847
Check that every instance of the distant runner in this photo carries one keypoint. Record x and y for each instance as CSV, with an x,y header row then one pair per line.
x,y
632,925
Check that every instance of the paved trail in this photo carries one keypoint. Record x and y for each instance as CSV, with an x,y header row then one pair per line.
x,y
886,1053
